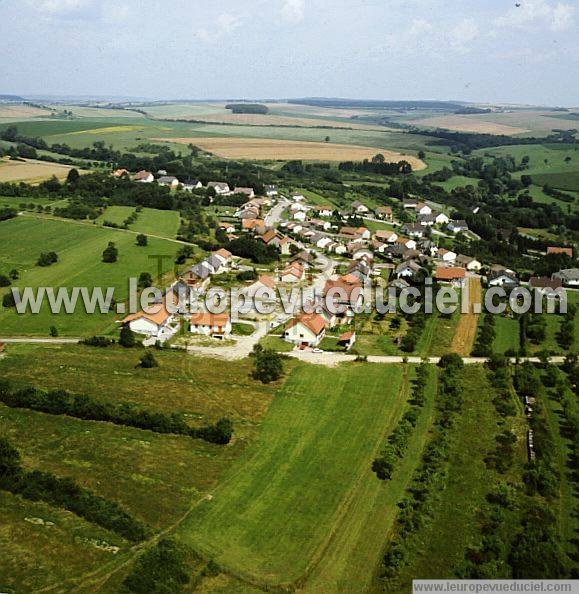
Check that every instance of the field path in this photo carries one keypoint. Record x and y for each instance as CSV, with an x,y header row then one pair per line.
x,y
465,334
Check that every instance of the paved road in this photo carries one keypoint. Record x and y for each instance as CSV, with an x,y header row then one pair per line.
x,y
274,215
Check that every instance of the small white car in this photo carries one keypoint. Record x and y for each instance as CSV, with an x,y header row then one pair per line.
x,y
317,351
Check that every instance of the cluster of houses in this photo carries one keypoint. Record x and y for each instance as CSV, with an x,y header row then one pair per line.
x,y
158,322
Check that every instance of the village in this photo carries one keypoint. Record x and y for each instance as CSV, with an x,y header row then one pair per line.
x,y
324,251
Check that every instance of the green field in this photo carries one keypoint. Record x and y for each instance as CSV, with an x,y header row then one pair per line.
x,y
155,477
562,180
164,223
274,512
452,526
79,247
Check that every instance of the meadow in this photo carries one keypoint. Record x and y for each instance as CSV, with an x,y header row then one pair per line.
x,y
164,223
157,478
272,515
79,247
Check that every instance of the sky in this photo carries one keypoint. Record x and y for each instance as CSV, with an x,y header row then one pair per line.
x,y
495,51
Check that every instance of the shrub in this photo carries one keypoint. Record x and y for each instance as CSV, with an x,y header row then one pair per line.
x,y
268,365
47,259
98,341
148,361
142,240
111,253
4,281
127,338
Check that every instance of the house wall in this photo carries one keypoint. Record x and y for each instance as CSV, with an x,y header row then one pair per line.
x,y
144,326
299,334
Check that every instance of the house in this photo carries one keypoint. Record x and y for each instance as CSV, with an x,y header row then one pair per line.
x,y
197,277
414,229
410,203
360,270
252,224
305,330
325,225
219,187
399,284
120,173
339,249
409,244
269,237
227,227
297,197
363,252
467,262
440,218
143,177
345,294
426,220
408,269
359,208
347,339
324,210
384,212
216,325
305,259
545,285
452,275
191,184
247,191
251,212
168,181
502,277
263,288
446,255
457,226
423,209
560,250
271,190
323,242
386,236
293,273
212,263
569,276
284,245
150,321
224,255
299,215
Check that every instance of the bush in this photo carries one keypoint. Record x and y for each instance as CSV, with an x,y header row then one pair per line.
x,y
148,361
160,570
142,240
47,259
98,341
127,338
9,300
53,331
4,281
111,253
268,365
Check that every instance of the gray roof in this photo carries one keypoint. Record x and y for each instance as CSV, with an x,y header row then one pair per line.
x,y
568,274
201,271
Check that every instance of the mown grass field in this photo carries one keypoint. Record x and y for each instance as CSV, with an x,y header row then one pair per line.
x,y
164,223
156,477
79,247
274,512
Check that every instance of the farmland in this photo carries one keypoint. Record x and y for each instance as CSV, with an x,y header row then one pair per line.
x,y
164,223
262,149
156,477
461,123
317,435
79,247
31,171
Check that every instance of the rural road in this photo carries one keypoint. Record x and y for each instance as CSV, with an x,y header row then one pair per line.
x,y
39,340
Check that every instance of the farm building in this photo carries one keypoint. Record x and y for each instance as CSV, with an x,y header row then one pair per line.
x,y
569,277
144,177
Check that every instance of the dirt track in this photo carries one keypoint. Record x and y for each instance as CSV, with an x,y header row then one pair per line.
x,y
465,334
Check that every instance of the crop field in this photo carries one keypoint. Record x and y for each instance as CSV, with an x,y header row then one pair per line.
x,y
467,123
79,247
157,478
466,328
21,112
272,149
318,431
562,180
31,171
